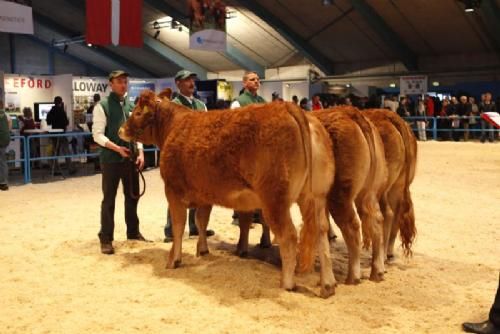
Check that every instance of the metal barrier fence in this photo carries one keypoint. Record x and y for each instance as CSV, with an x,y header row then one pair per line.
x,y
27,142
434,129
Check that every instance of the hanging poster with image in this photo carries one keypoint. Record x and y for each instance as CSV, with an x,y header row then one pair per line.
x,y
207,29
413,85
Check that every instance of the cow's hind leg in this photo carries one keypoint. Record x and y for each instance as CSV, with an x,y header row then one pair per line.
x,y
245,219
178,213
310,210
280,222
346,218
202,218
372,220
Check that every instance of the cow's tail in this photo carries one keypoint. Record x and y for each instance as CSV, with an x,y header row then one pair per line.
x,y
310,231
406,214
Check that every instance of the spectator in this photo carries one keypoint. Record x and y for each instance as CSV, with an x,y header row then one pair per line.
x,y
90,111
316,102
27,120
429,106
487,106
347,101
58,119
5,126
421,122
454,118
464,111
295,100
473,119
304,104
403,108
443,122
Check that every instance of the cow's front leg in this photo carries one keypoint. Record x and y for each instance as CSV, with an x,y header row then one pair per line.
x,y
245,219
202,218
178,213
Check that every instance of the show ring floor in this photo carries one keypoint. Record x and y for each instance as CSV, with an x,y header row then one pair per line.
x,y
54,279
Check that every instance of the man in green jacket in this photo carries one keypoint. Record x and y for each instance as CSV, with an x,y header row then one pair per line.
x,y
5,126
185,81
251,85
116,165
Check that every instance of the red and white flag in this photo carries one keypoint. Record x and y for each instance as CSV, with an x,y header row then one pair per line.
x,y
117,22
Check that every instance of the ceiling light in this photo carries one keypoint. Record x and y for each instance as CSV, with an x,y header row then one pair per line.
x,y
327,2
156,25
471,5
348,85
435,83
392,85
89,45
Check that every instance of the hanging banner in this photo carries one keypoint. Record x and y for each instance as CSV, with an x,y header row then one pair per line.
x,y
207,29
413,85
16,18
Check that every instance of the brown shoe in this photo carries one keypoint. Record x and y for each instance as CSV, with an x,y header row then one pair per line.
x,y
107,248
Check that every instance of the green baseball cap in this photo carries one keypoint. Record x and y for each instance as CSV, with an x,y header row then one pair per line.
x,y
116,74
184,74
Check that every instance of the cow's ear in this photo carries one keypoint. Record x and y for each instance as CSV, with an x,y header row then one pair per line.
x,y
147,99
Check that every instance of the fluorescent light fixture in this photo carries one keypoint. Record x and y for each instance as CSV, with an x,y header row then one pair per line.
x,y
392,85
435,83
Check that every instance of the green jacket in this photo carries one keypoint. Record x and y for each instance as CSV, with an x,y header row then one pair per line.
x,y
248,98
196,105
4,129
116,115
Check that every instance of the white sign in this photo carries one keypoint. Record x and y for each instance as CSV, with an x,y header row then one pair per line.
x,y
413,85
209,39
84,89
16,18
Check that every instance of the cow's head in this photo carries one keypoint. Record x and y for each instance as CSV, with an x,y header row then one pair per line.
x,y
141,126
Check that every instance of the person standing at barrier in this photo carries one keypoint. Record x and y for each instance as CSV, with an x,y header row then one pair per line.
x,y
464,110
421,121
58,119
5,126
249,95
185,82
116,164
486,128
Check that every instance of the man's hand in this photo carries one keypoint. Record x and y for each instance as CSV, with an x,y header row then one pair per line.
x,y
123,151
140,160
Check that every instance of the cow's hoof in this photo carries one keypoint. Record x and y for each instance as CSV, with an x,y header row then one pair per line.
x,y
327,290
291,289
242,254
352,281
174,264
376,277
203,253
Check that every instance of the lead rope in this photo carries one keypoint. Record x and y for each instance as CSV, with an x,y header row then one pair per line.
x,y
133,159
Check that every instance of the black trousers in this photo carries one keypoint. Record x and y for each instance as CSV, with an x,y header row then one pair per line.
x,y
193,229
112,174
495,309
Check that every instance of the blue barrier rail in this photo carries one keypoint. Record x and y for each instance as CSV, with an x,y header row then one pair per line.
x,y
27,140
434,129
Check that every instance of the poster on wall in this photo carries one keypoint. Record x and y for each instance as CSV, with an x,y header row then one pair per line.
x,y
207,29
413,85
24,91
84,89
136,86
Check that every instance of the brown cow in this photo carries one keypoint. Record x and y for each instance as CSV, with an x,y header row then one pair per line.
x,y
399,197
360,181
253,157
